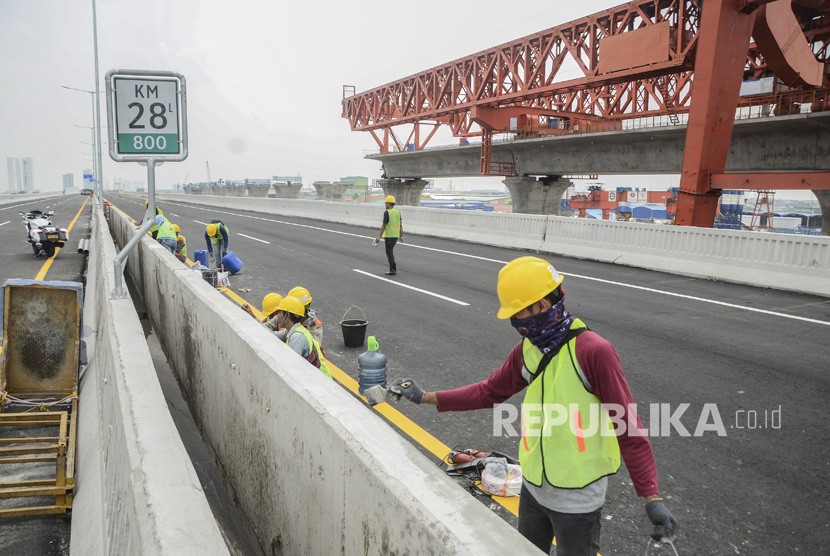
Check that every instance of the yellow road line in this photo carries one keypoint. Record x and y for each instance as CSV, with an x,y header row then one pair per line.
x,y
45,268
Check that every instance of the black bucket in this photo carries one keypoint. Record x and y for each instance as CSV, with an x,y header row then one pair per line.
x,y
210,276
354,330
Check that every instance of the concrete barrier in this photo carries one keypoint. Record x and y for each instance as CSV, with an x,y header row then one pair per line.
x,y
6,200
136,490
783,261
315,470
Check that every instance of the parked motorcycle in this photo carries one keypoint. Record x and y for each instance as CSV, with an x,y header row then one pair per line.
x,y
43,236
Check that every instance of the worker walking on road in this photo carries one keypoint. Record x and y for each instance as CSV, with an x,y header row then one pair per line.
x,y
181,244
216,237
391,231
164,233
313,324
298,338
569,446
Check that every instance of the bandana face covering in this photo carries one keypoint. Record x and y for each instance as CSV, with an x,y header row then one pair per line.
x,y
546,330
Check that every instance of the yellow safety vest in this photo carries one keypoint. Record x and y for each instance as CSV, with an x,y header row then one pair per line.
x,y
313,347
567,438
393,227
166,230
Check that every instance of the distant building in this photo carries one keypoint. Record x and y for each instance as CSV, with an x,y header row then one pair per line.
x,y
68,181
14,174
28,175
356,180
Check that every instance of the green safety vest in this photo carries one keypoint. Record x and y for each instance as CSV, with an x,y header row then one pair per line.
x,y
166,230
575,453
313,347
393,227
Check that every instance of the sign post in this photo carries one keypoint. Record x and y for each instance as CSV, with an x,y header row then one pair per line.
x,y
147,117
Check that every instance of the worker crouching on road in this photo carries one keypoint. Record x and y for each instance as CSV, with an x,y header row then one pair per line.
x,y
181,244
565,462
164,233
291,313
216,237
313,324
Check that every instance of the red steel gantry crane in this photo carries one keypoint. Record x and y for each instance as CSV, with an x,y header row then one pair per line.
x,y
638,59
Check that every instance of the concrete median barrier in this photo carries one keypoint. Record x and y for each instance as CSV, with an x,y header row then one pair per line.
x,y
314,469
136,489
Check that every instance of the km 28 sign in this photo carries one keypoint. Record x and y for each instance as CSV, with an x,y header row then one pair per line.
x,y
147,115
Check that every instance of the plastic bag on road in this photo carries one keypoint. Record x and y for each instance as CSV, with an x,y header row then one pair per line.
x,y
501,478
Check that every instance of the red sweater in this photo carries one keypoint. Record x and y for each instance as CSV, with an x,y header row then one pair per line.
x,y
601,365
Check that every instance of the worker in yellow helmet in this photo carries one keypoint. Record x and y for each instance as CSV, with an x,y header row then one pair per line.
x,y
313,324
181,244
290,314
217,235
391,231
569,446
270,305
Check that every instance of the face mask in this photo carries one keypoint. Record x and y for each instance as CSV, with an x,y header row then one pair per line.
x,y
547,330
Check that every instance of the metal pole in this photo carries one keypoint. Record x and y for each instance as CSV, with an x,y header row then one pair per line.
x,y
149,220
94,139
97,104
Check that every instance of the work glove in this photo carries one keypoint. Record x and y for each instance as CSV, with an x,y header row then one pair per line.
x,y
407,388
224,252
665,526
375,242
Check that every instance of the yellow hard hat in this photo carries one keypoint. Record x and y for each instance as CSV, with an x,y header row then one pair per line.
x,y
211,229
176,228
390,199
270,303
291,304
525,281
301,293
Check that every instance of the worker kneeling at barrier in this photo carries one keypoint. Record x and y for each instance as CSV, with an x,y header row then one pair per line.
x,y
310,320
269,312
290,314
164,233
181,244
565,458
216,237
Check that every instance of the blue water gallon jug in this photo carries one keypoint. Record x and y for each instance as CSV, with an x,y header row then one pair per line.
x,y
201,256
231,262
372,367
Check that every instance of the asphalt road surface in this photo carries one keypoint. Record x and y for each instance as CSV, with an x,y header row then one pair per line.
x,y
760,356
44,535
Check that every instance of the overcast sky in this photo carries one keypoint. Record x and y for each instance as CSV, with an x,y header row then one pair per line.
x,y
264,78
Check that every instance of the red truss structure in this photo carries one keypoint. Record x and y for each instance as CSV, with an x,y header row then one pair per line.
x,y
635,60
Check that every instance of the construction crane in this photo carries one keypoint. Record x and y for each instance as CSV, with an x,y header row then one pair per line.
x,y
207,169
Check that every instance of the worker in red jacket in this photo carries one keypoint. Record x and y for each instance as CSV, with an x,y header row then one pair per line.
x,y
571,374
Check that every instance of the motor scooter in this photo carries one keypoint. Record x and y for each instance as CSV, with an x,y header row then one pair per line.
x,y
41,234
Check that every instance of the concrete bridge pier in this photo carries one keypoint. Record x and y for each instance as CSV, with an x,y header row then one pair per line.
x,y
257,190
330,190
288,190
823,196
406,192
536,196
